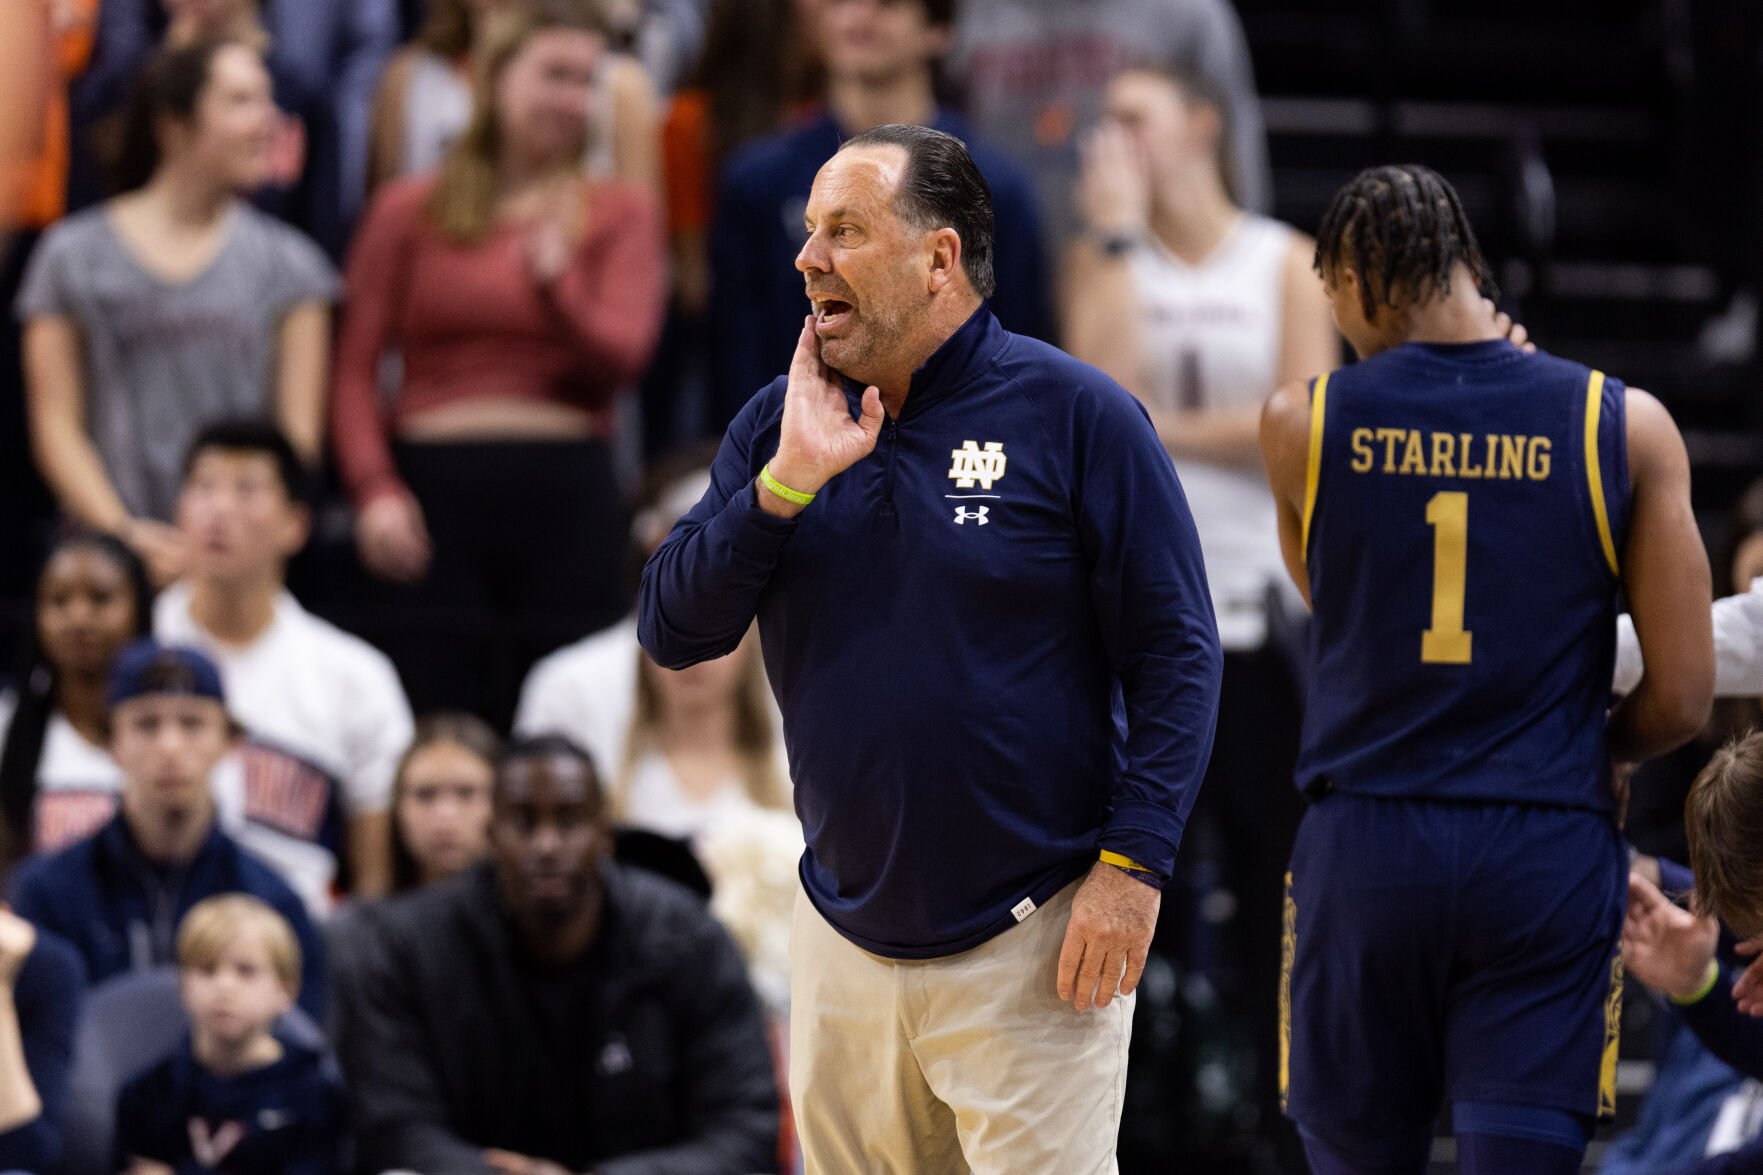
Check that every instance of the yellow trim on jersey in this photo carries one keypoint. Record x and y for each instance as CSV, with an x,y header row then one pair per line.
x,y
1119,861
1288,953
1313,470
1594,404
1612,1040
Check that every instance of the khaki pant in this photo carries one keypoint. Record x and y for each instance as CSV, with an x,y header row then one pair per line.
x,y
969,1062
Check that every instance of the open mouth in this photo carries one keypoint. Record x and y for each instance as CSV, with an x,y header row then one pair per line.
x,y
830,313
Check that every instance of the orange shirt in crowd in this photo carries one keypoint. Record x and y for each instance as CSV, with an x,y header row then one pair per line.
x,y
33,191
472,321
685,159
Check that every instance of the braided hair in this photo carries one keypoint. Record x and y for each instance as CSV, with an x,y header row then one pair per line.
x,y
23,750
1402,228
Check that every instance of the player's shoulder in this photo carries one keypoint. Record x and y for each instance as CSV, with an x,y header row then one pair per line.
x,y
1546,364
1289,407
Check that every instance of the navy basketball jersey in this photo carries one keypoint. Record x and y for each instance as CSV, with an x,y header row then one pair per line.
x,y
1465,505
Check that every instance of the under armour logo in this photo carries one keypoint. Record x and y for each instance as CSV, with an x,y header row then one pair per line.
x,y
972,464
977,514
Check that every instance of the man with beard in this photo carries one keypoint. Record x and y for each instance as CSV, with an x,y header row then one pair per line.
x,y
549,1011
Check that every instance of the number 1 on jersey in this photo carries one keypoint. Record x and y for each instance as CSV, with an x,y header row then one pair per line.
x,y
1445,643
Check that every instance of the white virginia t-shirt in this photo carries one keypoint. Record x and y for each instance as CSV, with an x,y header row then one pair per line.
x,y
328,699
77,781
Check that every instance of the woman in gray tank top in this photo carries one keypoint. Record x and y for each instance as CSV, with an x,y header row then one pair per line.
x,y
173,305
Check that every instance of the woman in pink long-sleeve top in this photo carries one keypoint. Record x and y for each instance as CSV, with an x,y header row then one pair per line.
x,y
493,312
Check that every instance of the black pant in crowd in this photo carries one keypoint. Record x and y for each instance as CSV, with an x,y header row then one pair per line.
x,y
529,544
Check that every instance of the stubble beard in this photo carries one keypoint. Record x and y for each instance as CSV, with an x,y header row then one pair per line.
x,y
878,334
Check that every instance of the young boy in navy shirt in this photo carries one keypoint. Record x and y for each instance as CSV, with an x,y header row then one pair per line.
x,y
234,1096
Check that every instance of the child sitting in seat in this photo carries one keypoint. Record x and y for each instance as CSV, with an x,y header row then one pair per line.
x,y
234,1096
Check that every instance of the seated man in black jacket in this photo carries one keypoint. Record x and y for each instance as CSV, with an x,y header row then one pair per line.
x,y
550,1011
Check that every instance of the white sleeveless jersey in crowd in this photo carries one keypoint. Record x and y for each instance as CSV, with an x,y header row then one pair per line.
x,y
1211,340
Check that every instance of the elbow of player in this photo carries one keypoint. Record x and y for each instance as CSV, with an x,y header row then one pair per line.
x,y
1680,711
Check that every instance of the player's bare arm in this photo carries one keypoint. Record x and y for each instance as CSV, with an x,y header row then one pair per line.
x,y
1285,448
1665,575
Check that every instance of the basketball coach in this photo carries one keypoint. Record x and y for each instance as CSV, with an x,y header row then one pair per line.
x,y
984,613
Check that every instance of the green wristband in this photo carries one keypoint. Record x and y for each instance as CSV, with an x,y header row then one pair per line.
x,y
1702,991
781,490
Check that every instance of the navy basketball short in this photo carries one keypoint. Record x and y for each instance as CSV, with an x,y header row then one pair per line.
x,y
1459,952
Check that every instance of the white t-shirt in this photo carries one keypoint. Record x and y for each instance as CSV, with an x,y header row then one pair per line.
x,y
588,692
309,687
77,781
1738,647
332,703
1212,340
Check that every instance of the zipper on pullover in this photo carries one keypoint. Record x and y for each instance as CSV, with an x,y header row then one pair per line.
x,y
891,433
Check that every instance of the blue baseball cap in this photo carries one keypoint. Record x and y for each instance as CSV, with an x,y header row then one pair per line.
x,y
148,667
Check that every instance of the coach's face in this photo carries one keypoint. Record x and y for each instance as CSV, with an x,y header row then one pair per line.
x,y
867,271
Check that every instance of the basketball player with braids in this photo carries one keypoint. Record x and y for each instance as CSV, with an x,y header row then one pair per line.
x,y
1462,513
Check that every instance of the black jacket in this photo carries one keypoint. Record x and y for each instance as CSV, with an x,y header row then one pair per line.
x,y
647,1057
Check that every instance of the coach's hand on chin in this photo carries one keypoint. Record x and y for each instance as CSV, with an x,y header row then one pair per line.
x,y
818,439
1112,919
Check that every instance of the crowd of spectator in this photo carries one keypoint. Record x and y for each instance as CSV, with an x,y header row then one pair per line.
x,y
450,294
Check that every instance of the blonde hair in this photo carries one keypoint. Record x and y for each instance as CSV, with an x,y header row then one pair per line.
x,y
1723,820
463,204
755,736
214,924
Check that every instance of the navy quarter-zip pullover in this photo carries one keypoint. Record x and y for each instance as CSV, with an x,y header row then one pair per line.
x,y
991,640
